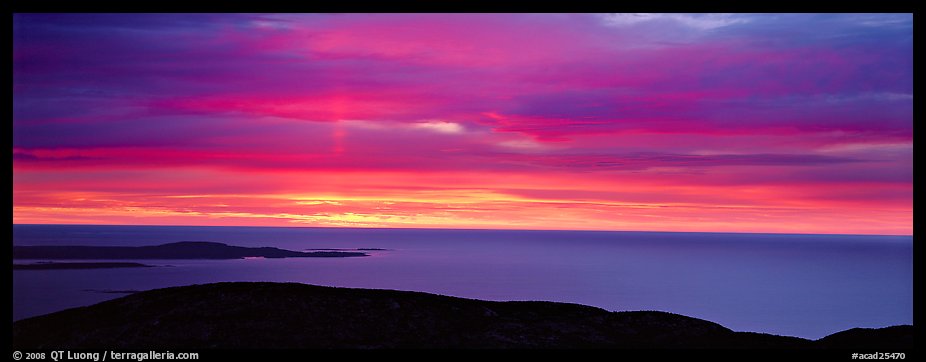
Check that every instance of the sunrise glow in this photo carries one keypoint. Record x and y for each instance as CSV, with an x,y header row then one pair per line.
x,y
791,123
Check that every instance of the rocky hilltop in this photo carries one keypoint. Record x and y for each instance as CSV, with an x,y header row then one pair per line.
x,y
289,315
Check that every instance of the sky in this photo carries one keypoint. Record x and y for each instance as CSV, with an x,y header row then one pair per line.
x,y
780,123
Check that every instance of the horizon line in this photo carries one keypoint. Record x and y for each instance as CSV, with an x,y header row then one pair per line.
x,y
468,229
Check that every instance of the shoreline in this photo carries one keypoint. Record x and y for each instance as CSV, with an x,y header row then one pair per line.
x,y
72,266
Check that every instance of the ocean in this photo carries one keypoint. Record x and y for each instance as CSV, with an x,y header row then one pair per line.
x,y
798,285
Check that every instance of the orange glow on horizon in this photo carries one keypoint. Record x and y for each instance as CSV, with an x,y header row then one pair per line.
x,y
475,201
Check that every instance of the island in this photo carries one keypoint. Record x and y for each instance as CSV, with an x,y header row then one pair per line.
x,y
300,316
178,250
344,249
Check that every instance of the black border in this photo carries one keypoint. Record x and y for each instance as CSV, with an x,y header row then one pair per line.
x,y
435,6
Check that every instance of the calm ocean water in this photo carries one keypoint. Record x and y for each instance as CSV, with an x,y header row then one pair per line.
x,y
799,285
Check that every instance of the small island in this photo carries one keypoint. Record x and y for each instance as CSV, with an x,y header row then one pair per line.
x,y
346,249
178,250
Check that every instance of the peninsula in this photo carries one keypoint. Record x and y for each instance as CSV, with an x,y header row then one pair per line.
x,y
178,250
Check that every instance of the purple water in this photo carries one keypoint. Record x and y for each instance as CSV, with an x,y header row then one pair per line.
x,y
798,285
